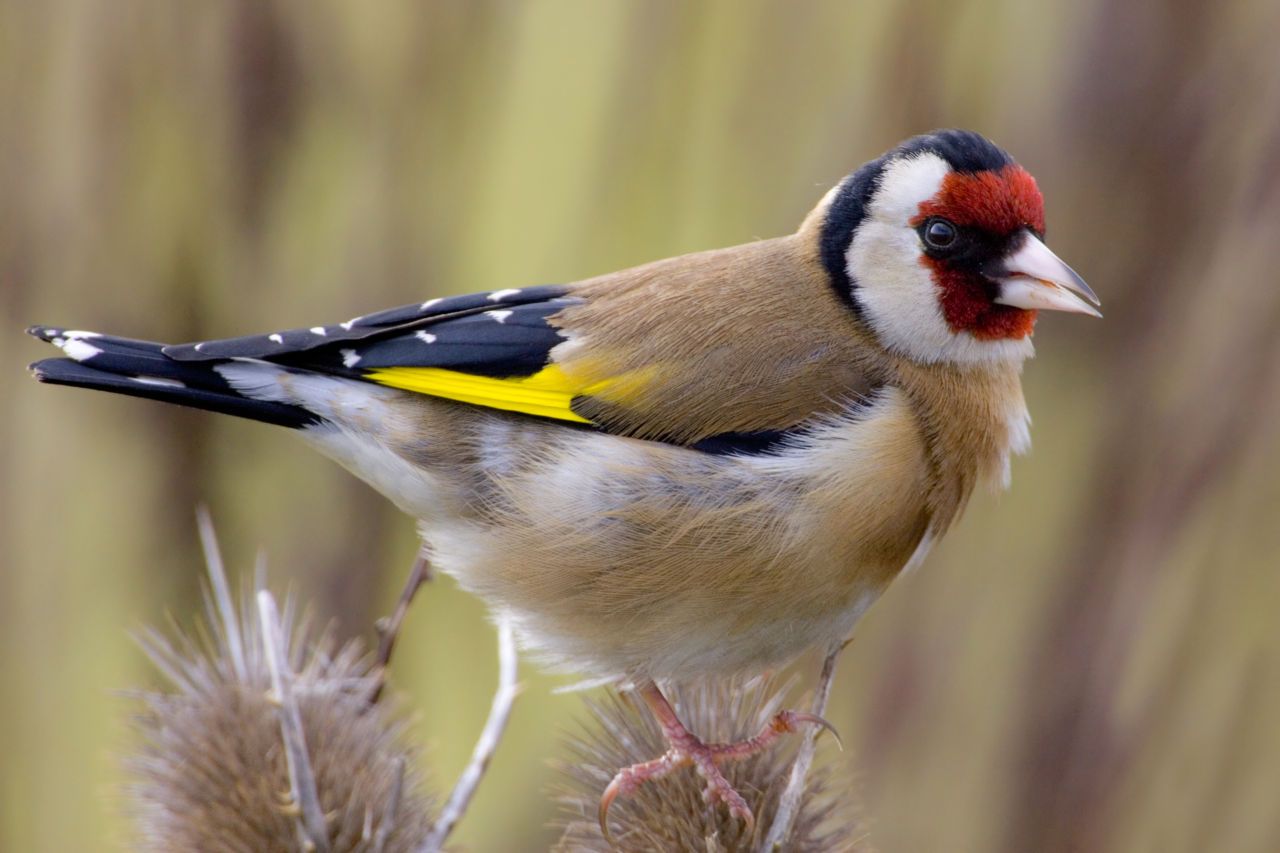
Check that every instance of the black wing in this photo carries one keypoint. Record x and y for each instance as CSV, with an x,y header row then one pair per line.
x,y
503,333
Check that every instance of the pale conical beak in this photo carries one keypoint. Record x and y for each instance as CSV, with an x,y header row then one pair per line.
x,y
1031,276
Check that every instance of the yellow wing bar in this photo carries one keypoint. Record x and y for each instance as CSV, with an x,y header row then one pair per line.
x,y
546,394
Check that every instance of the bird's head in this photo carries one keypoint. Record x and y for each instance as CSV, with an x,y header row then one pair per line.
x,y
939,247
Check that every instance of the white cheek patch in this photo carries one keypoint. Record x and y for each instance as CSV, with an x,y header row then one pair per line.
x,y
895,289
905,184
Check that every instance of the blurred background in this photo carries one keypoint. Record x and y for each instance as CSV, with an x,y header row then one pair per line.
x,y
1090,661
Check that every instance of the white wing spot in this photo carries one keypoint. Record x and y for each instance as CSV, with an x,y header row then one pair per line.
x,y
500,316
279,339
426,306
318,330
199,348
425,337
347,325
77,335
350,358
499,295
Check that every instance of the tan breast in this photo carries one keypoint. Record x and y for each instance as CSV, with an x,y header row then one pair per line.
x,y
974,419
625,556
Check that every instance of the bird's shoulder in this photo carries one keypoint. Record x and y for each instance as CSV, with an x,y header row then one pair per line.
x,y
750,339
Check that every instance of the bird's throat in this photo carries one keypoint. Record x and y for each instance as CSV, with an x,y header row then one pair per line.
x,y
967,306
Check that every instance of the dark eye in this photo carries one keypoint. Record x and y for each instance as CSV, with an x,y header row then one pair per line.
x,y
939,234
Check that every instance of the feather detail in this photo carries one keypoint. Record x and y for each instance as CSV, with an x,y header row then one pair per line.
x,y
370,327
546,394
762,344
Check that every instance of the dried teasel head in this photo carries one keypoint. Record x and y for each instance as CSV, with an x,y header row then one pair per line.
x,y
211,772
670,814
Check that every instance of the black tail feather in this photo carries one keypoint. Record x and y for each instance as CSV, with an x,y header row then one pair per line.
x,y
140,369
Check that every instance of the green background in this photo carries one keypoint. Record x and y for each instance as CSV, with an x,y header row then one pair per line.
x,y
1087,662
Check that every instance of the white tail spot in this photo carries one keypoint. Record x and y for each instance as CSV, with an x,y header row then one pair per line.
x,y
79,350
159,380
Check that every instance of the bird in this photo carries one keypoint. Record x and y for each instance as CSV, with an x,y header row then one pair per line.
x,y
700,466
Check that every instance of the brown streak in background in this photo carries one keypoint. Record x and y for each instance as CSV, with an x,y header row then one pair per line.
x,y
903,687
184,439
265,90
349,576
913,71
1158,464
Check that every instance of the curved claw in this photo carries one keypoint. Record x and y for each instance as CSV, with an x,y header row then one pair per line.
x,y
745,815
793,717
606,800
628,780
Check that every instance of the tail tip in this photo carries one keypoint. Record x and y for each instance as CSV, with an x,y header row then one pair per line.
x,y
48,369
74,342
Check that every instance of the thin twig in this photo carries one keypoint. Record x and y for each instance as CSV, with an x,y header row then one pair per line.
x,y
260,571
312,833
388,627
499,714
222,594
789,804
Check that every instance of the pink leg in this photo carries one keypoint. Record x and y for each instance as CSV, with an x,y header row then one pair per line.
x,y
686,749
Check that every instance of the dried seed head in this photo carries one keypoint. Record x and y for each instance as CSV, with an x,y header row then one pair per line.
x,y
211,772
669,814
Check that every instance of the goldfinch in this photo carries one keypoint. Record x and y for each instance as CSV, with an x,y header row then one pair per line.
x,y
706,464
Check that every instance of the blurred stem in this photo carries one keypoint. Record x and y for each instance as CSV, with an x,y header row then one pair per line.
x,y
789,803
486,746
388,627
231,634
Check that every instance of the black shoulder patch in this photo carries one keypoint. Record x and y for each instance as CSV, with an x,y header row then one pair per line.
x,y
747,443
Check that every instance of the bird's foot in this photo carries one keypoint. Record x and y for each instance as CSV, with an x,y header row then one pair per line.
x,y
686,749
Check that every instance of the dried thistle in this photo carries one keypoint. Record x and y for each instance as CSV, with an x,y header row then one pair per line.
x,y
670,814
212,772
